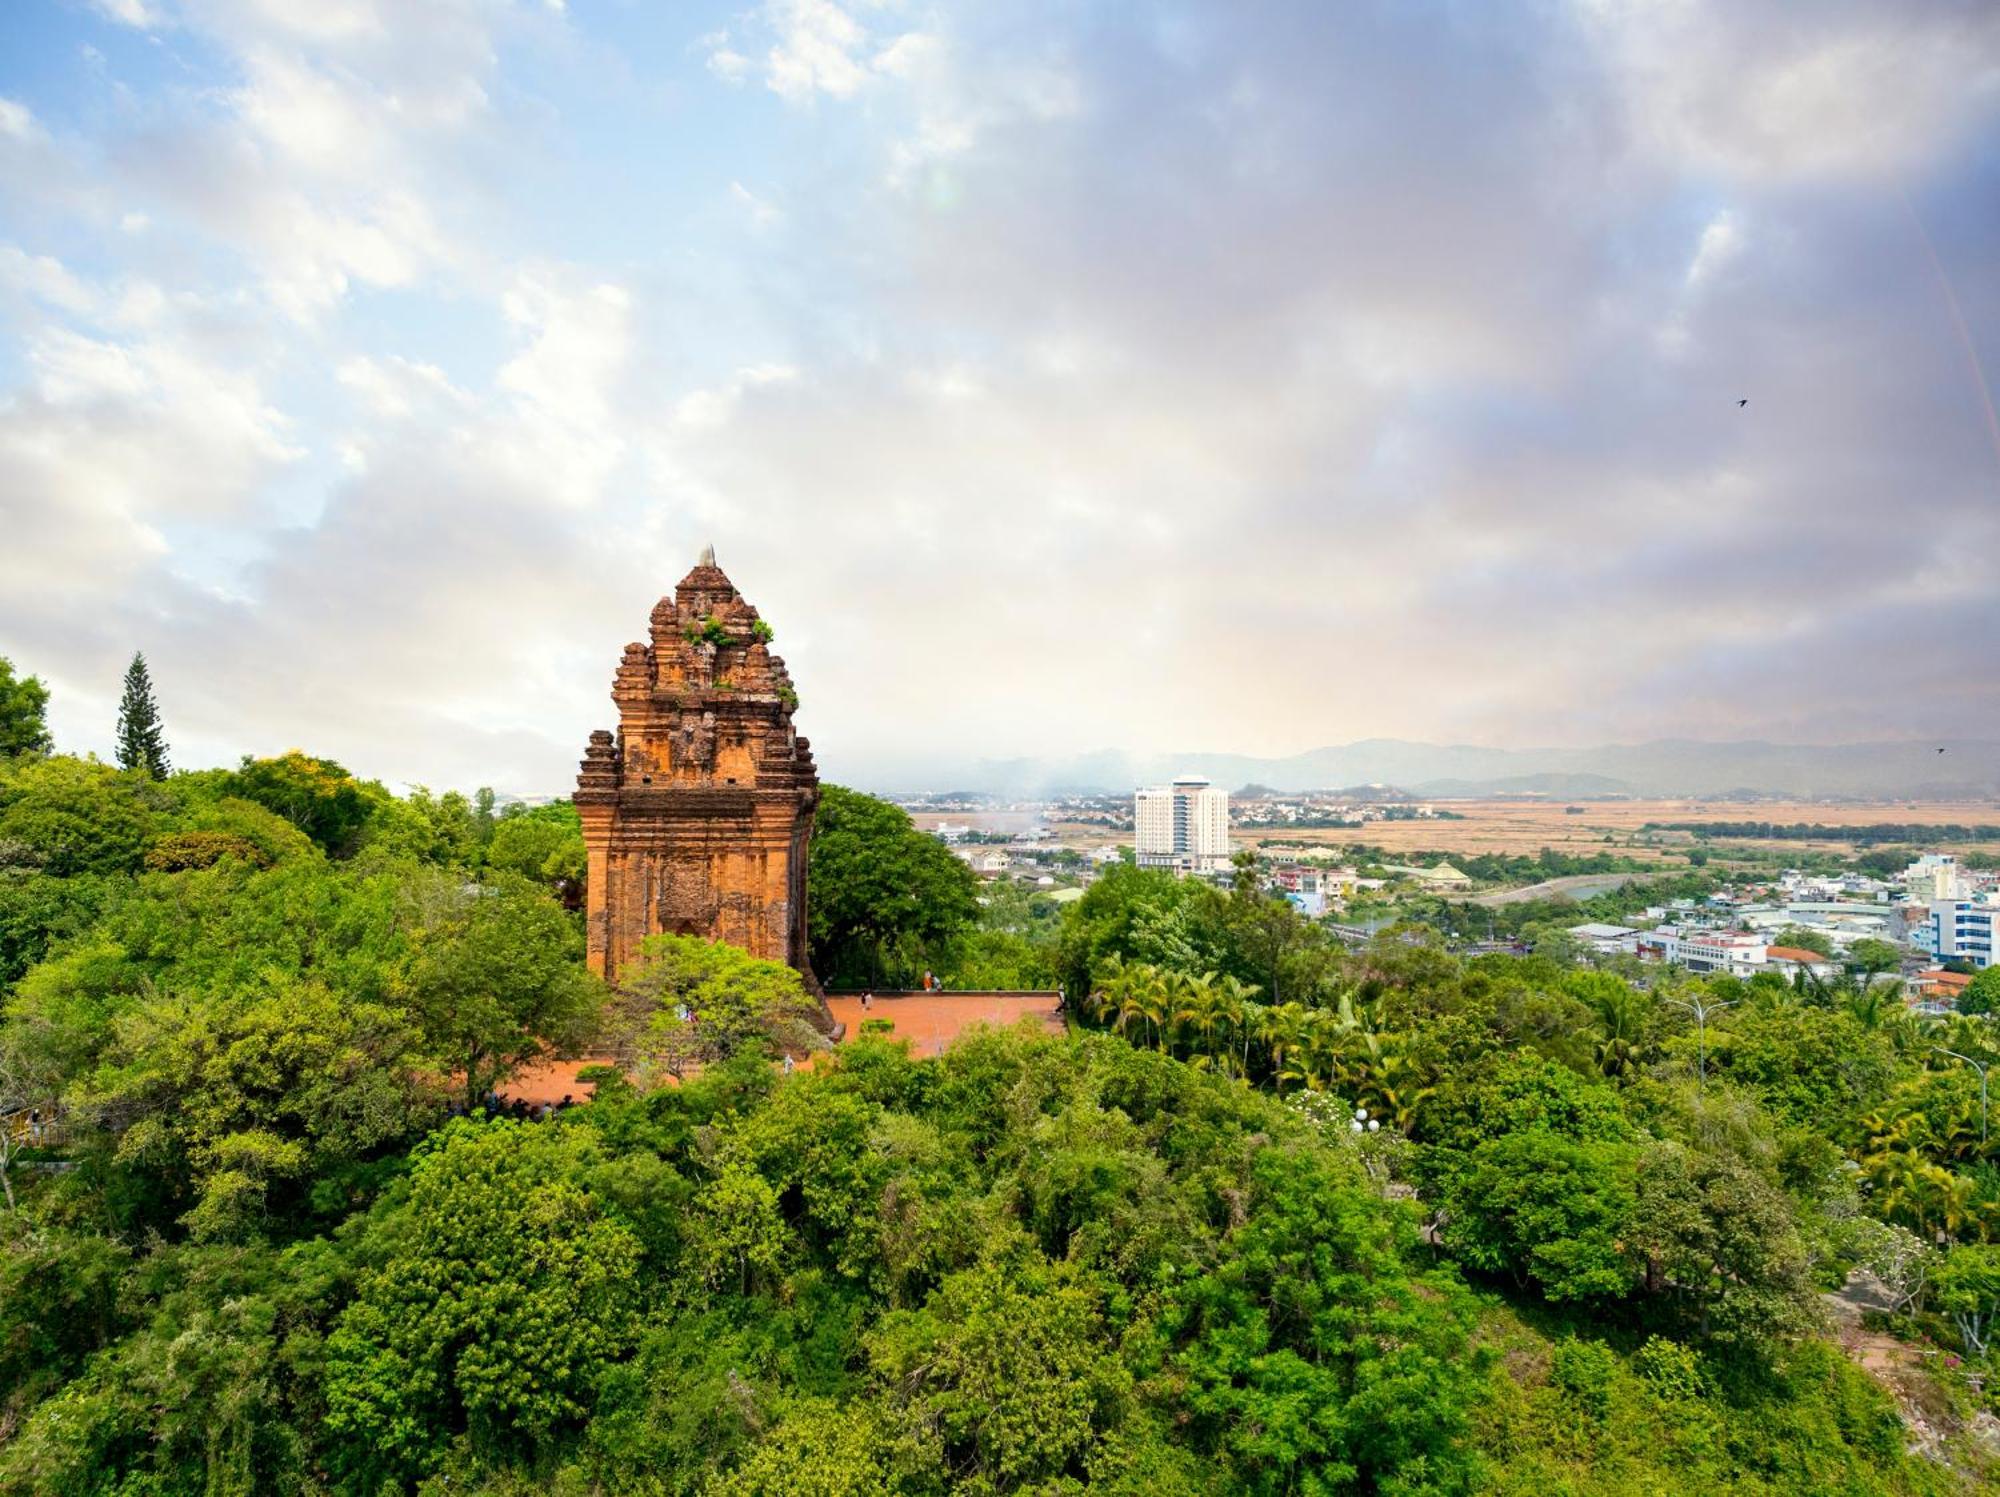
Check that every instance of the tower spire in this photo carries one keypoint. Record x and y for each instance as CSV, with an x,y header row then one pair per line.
x,y
707,557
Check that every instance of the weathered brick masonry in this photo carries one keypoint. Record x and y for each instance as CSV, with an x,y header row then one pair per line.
x,y
698,813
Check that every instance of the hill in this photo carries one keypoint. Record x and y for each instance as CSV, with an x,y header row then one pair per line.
x,y
1968,769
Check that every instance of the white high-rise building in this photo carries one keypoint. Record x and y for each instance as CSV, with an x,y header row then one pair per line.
x,y
1933,878
1183,826
1964,929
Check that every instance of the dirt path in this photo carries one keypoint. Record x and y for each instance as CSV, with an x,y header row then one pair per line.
x,y
1904,1372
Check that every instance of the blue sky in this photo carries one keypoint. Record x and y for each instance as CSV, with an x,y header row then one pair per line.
x,y
1053,376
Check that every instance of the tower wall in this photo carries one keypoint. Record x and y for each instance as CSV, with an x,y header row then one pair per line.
x,y
697,813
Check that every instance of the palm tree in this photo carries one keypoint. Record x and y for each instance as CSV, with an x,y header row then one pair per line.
x,y
1233,1005
1156,1001
1125,993
1200,1005
1621,1014
1255,1016
1317,1059
1388,1079
1114,979
1867,1006
1284,1027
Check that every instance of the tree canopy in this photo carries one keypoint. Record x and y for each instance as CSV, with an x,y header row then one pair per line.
x,y
1275,1216
24,713
884,901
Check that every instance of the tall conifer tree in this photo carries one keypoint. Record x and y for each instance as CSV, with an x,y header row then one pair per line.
x,y
141,743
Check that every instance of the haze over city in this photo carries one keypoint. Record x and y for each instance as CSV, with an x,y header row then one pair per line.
x,y
1054,379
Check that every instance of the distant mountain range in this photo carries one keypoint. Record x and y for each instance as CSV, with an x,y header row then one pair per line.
x,y
1968,769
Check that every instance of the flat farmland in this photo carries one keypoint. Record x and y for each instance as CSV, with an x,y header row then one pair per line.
x,y
1526,827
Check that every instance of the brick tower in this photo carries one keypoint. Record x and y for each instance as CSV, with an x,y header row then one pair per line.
x,y
698,813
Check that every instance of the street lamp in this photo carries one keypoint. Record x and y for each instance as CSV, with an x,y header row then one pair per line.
x,y
1981,1068
1701,1008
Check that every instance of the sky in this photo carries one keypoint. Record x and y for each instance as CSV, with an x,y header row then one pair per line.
x,y
1054,377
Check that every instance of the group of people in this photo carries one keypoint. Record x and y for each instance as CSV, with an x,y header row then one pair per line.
x,y
493,1105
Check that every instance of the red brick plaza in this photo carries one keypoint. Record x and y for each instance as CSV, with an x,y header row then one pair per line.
x,y
929,1021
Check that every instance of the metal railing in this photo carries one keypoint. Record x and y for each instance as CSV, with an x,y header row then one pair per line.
x,y
35,1128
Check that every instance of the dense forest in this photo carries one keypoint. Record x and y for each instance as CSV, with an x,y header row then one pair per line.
x,y
1276,1216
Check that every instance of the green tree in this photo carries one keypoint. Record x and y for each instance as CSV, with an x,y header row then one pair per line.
x,y
497,979
503,1287
1871,958
690,1001
24,713
822,1449
315,795
68,816
1967,1288
1548,1211
250,1098
1721,1241
884,899
142,741
1982,994
1008,1363
1804,940
544,844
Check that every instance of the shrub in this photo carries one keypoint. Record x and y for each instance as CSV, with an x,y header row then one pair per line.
x,y
1671,1369
1584,1371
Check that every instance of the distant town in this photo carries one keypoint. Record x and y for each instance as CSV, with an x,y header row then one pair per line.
x,y
1928,922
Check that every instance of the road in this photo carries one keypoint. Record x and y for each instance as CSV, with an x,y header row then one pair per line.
x,y
1576,885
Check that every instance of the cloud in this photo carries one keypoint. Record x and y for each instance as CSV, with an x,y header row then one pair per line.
x,y
1748,91
816,50
1162,380
760,214
129,13
18,121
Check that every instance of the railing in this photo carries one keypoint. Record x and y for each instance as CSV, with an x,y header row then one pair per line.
x,y
34,1128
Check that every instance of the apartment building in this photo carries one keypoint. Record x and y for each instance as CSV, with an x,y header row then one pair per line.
x,y
1183,826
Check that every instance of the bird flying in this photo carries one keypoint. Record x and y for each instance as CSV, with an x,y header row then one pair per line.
x,y
1743,402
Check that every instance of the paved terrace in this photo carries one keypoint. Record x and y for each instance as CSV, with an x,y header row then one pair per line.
x,y
929,1021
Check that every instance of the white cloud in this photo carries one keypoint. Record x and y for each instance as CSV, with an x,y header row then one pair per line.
x,y
1756,92
1289,329
815,51
762,215
130,13
724,61
43,277
1721,242
569,432
18,121
398,388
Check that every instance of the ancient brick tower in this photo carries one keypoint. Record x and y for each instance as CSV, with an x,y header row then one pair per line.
x,y
697,815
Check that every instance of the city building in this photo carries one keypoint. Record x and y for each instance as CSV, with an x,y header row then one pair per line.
x,y
1789,961
1934,877
1183,826
1438,877
1962,930
1738,953
1937,988
1606,940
